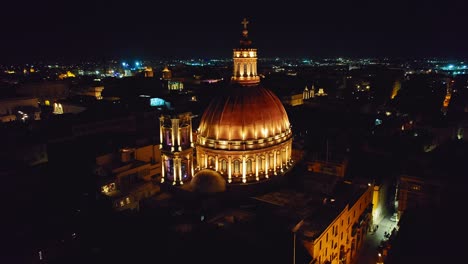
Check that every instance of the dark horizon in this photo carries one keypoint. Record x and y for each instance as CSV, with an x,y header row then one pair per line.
x,y
51,31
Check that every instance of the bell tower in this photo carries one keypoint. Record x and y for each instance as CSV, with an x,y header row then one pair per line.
x,y
245,60
176,144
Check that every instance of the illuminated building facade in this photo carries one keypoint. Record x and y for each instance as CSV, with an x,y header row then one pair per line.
x,y
308,94
339,239
245,133
176,144
166,74
175,86
126,177
149,72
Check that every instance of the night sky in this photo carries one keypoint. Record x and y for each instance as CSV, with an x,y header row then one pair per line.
x,y
77,30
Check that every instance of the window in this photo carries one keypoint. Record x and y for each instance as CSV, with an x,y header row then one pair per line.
x,y
341,235
320,245
211,162
236,167
249,166
223,165
327,238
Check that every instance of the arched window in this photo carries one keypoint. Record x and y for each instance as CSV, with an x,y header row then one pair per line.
x,y
261,166
211,162
223,167
236,167
248,163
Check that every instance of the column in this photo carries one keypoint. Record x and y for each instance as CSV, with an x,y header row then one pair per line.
x,y
179,164
206,161
274,162
244,176
267,159
256,167
229,170
173,142
282,159
248,69
241,70
161,122
163,163
190,131
175,170
178,138
191,165
216,163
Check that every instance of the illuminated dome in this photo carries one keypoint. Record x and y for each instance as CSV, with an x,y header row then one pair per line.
x,y
243,113
208,181
244,133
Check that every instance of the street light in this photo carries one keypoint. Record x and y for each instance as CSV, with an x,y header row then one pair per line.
x,y
379,259
294,230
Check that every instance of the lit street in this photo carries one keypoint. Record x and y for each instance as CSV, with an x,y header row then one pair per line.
x,y
369,253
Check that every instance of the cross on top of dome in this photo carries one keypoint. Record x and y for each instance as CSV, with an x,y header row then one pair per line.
x,y
245,22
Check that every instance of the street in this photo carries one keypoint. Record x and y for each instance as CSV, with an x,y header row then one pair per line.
x,y
369,251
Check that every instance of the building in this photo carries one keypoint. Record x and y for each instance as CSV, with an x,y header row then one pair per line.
x,y
92,91
244,133
293,99
166,74
336,168
47,92
19,108
331,228
149,72
308,94
177,145
417,192
175,85
128,176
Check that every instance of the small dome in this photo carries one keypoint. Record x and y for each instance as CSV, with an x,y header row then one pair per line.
x,y
208,181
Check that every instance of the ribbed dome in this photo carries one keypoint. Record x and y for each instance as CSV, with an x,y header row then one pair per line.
x,y
244,113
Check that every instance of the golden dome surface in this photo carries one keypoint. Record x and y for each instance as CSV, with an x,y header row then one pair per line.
x,y
244,113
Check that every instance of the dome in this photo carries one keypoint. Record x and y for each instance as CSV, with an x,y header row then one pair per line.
x,y
244,113
208,181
